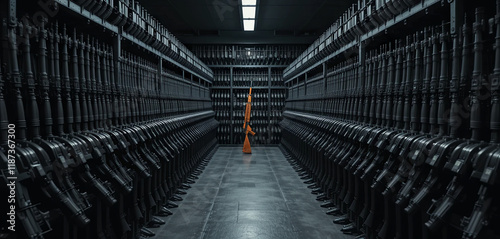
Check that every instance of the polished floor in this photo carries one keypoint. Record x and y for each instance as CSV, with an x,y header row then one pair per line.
x,y
249,196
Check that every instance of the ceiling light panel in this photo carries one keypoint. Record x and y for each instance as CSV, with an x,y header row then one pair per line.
x,y
249,25
249,2
248,12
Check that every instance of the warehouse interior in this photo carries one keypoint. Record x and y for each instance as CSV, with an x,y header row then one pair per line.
x,y
376,119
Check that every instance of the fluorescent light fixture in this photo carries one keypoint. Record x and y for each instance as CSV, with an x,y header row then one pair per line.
x,y
248,12
249,25
249,2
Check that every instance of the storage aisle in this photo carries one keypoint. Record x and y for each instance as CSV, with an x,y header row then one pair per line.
x,y
249,196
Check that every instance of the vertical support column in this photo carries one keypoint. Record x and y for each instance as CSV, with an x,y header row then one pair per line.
x,y
323,106
159,88
192,85
160,69
456,15
117,49
324,78
269,110
231,102
119,108
199,85
305,84
297,86
362,59
10,7
361,79
288,93
184,78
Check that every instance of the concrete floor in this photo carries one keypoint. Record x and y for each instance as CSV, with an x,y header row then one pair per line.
x,y
249,196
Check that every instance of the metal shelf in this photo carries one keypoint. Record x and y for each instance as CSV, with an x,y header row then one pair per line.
x,y
400,18
319,97
247,66
231,88
84,13
247,87
177,78
316,78
386,26
334,54
253,145
163,56
188,98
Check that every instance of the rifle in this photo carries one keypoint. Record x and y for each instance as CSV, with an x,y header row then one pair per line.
x,y
246,124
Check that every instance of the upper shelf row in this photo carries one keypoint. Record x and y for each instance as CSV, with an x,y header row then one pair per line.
x,y
131,21
359,23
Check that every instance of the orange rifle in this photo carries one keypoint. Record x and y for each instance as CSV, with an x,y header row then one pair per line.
x,y
246,125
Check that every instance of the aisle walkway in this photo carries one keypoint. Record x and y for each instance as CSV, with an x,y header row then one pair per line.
x,y
249,196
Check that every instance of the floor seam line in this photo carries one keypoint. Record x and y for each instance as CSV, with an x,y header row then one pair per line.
x,y
279,185
213,203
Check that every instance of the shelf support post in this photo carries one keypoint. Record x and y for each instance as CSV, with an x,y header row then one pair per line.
x,y
231,102
269,105
361,78
456,15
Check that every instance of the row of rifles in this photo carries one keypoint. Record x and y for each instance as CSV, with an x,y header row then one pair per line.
x,y
102,145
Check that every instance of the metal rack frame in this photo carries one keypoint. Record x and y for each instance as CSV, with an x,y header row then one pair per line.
x,y
73,7
290,73
231,89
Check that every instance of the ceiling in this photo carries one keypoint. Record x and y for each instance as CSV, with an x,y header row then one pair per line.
x,y
219,21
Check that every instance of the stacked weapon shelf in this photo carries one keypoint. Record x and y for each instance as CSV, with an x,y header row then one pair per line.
x,y
392,116
396,128
229,95
105,118
236,68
